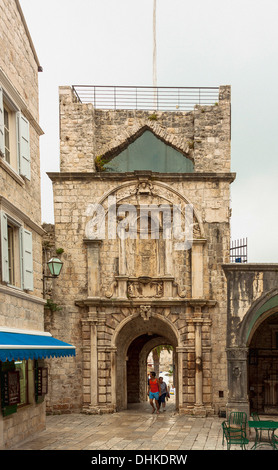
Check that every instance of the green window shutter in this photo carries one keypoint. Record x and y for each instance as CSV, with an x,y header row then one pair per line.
x,y
27,260
2,133
4,248
24,146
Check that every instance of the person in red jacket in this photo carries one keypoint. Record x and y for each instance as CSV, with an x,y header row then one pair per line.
x,y
154,392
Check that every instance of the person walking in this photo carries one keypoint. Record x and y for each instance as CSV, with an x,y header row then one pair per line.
x,y
164,392
154,392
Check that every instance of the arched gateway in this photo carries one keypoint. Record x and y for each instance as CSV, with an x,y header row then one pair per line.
x,y
134,340
152,294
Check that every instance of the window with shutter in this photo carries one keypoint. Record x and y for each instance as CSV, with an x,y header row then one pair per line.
x,y
16,254
14,136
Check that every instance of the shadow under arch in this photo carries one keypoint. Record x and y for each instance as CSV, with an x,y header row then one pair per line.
x,y
239,348
129,339
259,311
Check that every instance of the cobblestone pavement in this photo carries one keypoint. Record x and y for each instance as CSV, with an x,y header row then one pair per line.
x,y
133,429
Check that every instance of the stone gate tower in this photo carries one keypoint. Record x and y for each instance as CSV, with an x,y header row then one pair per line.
x,y
121,296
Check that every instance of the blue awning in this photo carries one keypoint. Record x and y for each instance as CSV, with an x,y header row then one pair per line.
x,y
16,346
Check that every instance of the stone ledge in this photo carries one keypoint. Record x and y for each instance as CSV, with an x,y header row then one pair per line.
x,y
250,267
60,176
101,301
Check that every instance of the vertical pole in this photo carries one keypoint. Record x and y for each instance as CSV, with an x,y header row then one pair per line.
x,y
154,55
154,44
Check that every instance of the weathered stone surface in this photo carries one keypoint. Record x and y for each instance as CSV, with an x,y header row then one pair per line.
x,y
118,297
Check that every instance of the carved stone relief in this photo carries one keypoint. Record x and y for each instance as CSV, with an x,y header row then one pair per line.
x,y
145,288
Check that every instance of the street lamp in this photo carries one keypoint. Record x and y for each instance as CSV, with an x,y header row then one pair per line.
x,y
55,265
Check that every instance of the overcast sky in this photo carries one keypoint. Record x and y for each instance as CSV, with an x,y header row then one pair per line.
x,y
200,43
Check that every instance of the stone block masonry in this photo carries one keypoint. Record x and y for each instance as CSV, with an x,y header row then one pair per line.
x,y
121,298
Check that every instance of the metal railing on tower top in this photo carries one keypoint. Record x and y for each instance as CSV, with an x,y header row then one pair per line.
x,y
147,98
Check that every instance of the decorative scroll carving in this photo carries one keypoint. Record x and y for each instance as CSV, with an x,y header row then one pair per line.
x,y
111,290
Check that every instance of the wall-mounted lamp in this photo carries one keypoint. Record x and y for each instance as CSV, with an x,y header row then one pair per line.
x,y
55,265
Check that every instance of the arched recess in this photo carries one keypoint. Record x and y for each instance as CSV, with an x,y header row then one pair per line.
x,y
255,348
260,331
262,308
131,336
131,133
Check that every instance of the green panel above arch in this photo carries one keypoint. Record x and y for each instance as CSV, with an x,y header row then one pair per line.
x,y
148,152
268,305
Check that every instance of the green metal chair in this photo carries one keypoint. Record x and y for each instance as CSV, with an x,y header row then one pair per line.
x,y
234,436
236,420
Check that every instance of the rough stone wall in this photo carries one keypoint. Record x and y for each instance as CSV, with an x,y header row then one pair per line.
x,y
17,60
203,134
18,65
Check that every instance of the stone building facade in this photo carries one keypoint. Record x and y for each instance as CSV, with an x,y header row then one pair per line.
x,y
22,407
121,296
21,305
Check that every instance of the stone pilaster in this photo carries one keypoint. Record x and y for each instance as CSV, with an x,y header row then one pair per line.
x,y
93,266
197,273
237,380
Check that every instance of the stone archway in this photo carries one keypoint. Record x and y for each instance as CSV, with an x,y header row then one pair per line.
x,y
144,353
263,365
133,340
254,324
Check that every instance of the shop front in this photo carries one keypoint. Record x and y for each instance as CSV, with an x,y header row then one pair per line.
x,y
24,380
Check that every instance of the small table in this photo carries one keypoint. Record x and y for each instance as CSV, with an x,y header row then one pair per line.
x,y
269,426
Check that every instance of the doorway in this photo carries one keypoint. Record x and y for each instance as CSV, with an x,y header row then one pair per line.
x,y
134,343
263,367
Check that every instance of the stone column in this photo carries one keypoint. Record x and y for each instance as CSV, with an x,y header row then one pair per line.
x,y
113,377
179,399
93,266
197,276
199,408
94,357
198,362
237,380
